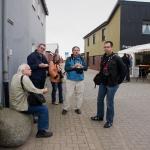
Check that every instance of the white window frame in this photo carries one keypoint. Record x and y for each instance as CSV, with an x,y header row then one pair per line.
x,y
144,26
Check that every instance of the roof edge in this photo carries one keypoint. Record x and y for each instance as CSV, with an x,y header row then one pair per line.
x,y
118,3
106,22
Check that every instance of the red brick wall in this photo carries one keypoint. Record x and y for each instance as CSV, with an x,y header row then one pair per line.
x,y
97,62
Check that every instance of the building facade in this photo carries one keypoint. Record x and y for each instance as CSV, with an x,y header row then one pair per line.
x,y
128,25
52,47
23,25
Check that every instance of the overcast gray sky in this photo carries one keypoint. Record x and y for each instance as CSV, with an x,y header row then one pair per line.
x,y
70,20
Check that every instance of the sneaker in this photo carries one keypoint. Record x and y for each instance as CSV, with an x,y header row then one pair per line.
x,y
54,103
64,112
78,111
43,134
96,118
107,125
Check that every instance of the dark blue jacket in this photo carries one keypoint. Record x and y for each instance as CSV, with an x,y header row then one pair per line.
x,y
33,60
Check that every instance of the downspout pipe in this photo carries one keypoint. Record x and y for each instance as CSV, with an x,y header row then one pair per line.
x,y
1,54
5,57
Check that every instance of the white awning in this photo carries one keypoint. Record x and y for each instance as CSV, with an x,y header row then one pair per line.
x,y
136,49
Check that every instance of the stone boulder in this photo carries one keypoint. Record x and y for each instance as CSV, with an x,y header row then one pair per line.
x,y
15,127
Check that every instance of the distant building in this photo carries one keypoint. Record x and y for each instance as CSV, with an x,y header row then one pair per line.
x,y
52,47
22,26
128,25
66,55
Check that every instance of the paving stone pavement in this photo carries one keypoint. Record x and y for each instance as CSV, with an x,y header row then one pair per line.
x,y
131,129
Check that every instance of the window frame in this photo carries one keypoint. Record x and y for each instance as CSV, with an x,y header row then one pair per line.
x,y
88,41
34,3
103,34
94,38
93,60
145,23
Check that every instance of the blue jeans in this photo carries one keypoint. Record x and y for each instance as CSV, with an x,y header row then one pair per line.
x,y
56,86
42,113
109,92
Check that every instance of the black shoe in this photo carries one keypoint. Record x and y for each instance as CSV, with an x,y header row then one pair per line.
x,y
60,102
43,134
107,125
64,112
96,118
78,111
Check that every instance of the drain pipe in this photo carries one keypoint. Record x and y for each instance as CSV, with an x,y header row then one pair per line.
x,y
1,54
5,58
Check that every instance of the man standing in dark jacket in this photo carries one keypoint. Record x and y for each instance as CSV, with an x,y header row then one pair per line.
x,y
38,64
112,73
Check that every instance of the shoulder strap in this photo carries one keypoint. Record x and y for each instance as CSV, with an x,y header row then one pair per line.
x,y
21,81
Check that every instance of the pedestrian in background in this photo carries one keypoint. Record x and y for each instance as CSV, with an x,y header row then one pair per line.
x,y
56,77
126,61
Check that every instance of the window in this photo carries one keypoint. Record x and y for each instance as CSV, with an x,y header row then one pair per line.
x,y
93,60
42,17
94,38
88,42
34,4
39,9
103,34
33,47
146,27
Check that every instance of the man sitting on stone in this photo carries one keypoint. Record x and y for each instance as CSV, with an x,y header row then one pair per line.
x,y
18,99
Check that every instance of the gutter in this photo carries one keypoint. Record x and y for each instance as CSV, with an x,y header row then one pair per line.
x,y
4,59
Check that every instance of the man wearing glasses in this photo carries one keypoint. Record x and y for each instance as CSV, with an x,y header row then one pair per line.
x,y
38,64
112,73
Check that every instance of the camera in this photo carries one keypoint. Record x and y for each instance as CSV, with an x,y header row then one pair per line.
x,y
61,74
79,70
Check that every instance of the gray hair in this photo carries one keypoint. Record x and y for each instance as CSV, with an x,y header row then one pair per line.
x,y
21,68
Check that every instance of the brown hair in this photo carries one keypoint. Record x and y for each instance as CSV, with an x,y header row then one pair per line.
x,y
75,47
110,42
55,56
41,44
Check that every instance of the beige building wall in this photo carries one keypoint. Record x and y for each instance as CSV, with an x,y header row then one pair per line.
x,y
113,30
112,33
93,49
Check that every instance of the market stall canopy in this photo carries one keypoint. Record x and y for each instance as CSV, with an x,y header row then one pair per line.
x,y
136,49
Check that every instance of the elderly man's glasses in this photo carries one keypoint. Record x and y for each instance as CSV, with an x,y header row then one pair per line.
x,y
43,48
